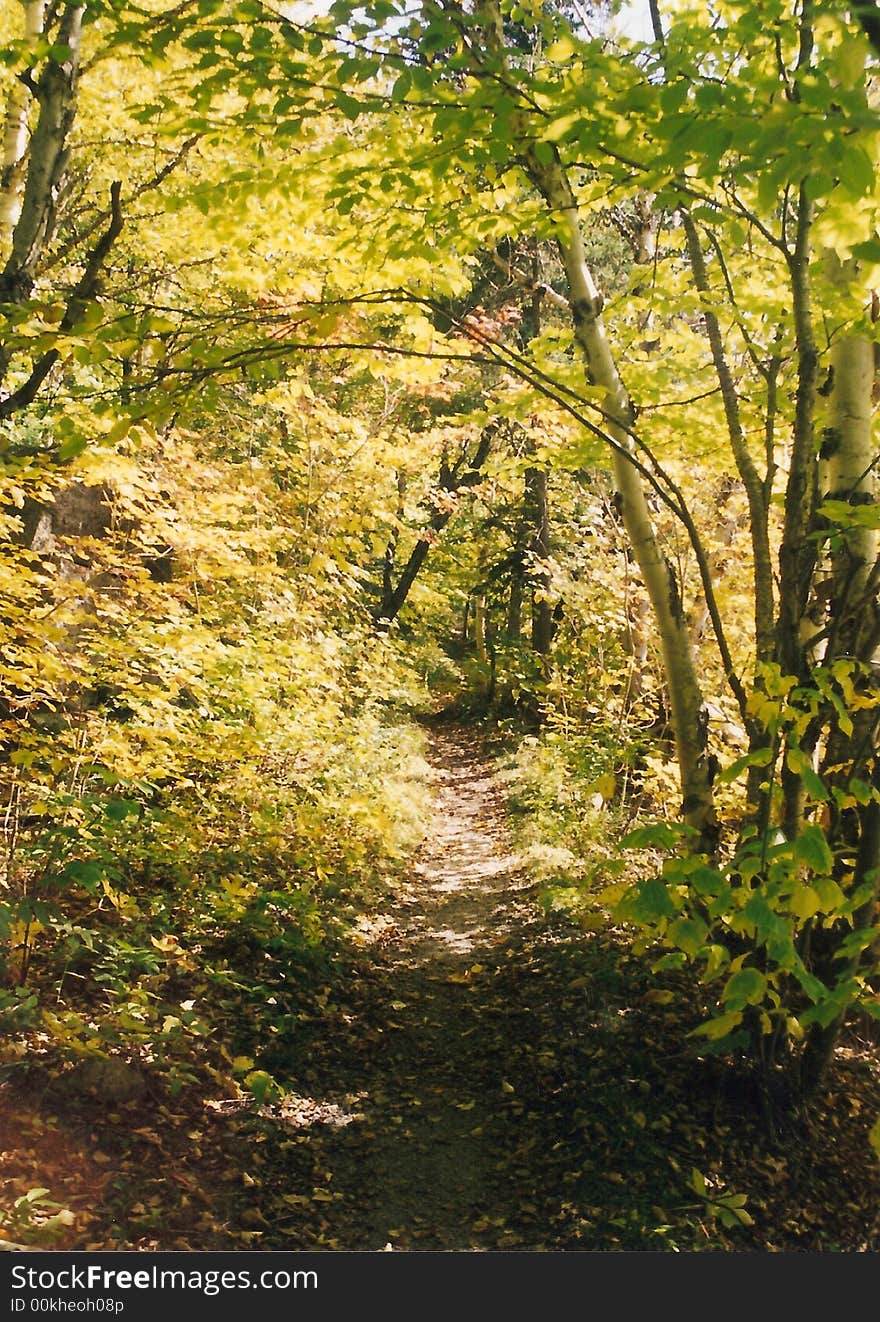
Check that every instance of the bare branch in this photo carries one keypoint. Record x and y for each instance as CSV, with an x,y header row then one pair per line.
x,y
85,290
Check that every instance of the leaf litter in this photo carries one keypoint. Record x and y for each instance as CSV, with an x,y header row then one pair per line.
x,y
473,1073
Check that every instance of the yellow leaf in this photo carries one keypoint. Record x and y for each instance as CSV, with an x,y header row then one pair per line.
x,y
604,785
720,1027
166,944
805,902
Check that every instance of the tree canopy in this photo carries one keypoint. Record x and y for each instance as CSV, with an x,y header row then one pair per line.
x,y
368,360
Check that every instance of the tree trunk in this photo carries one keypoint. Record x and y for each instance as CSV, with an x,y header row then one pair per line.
x,y
46,162
849,456
15,134
797,552
389,562
513,627
687,706
536,502
451,480
538,506
480,628
754,485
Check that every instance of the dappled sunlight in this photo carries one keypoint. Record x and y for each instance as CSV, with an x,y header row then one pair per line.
x,y
440,646
294,1111
457,940
465,866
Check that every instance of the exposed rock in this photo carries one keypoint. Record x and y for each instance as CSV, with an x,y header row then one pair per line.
x,y
105,1078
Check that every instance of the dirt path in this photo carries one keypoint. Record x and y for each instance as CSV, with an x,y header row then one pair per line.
x,y
466,1072
435,1168
453,1076
486,1076
421,1165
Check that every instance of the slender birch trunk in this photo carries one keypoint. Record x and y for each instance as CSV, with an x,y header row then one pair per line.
x,y
848,473
513,621
46,160
687,706
756,493
480,628
539,509
15,133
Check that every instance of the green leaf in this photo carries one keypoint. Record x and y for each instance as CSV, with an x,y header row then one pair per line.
x,y
714,142
561,51
649,901
868,251
88,873
716,957
856,170
855,942
402,87
739,1214
861,791
698,1182
676,959
231,40
805,902
716,1029
812,985
746,987
844,515
707,882
831,897
673,95
874,1136
814,786
660,835
543,152
33,1196
349,105
758,911
263,1087
116,810
560,128
71,447
689,934
769,189
761,757
811,848
708,96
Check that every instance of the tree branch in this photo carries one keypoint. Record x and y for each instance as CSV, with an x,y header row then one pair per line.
x,y
73,312
145,187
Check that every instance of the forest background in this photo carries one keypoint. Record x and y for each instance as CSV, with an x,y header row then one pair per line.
x,y
365,363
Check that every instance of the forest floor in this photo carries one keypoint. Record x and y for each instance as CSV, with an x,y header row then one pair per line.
x,y
473,1074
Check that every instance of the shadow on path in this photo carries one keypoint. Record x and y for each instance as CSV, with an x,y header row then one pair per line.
x,y
487,1076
